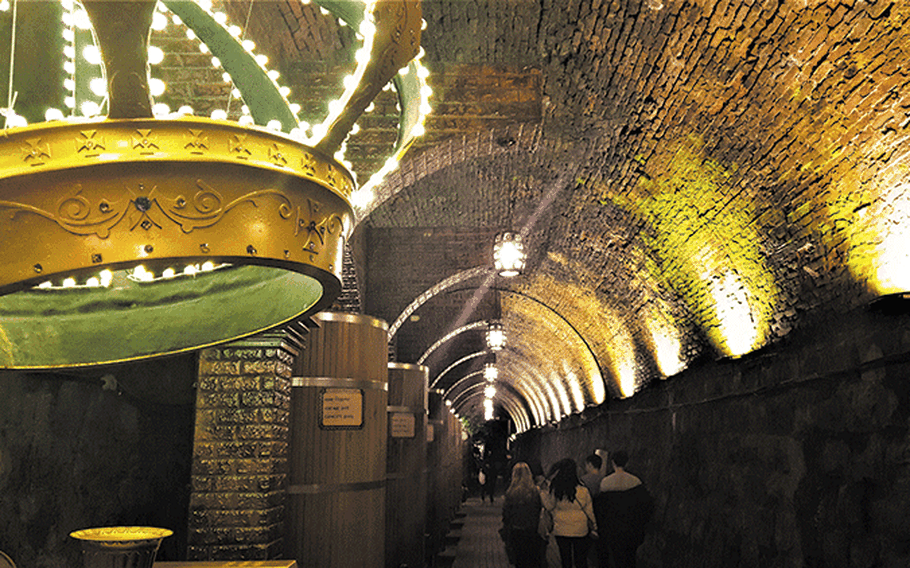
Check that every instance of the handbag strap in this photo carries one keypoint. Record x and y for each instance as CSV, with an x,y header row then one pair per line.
x,y
580,506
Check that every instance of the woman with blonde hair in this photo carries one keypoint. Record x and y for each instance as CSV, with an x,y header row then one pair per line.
x,y
520,517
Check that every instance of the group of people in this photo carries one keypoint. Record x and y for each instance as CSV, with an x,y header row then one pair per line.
x,y
608,512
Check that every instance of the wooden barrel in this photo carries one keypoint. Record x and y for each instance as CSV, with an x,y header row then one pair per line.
x,y
406,491
438,479
335,516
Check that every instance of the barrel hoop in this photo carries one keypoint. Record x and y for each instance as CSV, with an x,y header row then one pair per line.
x,y
322,488
408,366
348,317
338,382
412,409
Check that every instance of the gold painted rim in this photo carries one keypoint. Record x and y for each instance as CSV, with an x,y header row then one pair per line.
x,y
121,534
58,145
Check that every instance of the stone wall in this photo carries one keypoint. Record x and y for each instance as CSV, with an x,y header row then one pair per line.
x,y
94,448
794,456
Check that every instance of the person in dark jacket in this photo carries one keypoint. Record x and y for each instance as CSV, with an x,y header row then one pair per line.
x,y
623,508
520,518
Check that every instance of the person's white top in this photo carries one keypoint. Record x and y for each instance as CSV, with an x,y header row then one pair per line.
x,y
619,481
570,516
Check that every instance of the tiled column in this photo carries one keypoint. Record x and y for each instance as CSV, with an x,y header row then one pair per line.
x,y
240,450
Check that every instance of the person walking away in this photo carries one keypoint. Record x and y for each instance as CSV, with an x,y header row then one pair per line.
x,y
573,516
593,475
487,478
520,518
623,508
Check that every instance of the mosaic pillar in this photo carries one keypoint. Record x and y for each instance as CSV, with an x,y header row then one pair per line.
x,y
240,449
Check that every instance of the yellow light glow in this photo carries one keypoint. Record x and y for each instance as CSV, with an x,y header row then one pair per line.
x,y
738,330
563,396
553,400
578,394
665,344
893,267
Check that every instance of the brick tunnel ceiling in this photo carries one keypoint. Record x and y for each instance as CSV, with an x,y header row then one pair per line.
x,y
692,180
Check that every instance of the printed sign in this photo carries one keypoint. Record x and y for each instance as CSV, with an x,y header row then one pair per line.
x,y
342,408
403,425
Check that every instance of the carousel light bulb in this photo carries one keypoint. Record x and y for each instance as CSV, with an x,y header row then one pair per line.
x,y
169,273
69,84
93,282
248,44
159,21
203,48
273,74
69,35
221,18
284,91
157,87
15,121
274,125
190,270
69,282
106,276
208,266
235,31
90,108
69,51
156,55
184,110
53,114
98,86
262,60
219,114
80,18
160,110
69,67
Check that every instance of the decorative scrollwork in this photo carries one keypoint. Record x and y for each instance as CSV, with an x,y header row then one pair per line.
x,y
207,206
75,214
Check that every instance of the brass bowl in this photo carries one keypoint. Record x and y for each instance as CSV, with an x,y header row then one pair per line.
x,y
120,547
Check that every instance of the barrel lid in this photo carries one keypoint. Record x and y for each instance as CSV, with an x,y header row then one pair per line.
x,y
350,317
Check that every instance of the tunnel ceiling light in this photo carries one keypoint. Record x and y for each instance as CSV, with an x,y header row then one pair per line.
x,y
496,336
490,372
508,254
489,392
83,204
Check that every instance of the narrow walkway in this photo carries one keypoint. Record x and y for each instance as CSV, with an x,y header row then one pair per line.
x,y
474,537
